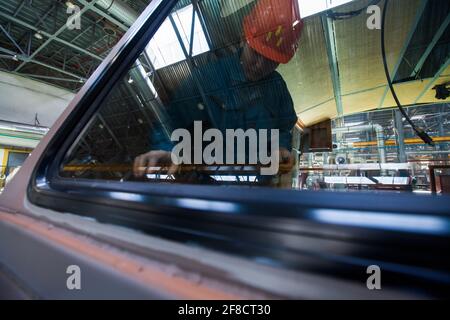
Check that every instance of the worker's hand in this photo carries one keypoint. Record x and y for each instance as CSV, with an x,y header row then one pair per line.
x,y
287,159
287,163
153,162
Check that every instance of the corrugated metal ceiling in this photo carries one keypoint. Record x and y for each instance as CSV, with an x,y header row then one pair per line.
x,y
361,77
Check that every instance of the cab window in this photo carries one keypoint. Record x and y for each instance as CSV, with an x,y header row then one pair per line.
x,y
279,94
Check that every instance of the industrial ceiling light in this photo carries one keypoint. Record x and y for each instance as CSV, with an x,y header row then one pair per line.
x,y
130,80
109,31
69,4
38,35
296,22
15,58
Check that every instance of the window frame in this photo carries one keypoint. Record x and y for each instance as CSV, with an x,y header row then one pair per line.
x,y
212,215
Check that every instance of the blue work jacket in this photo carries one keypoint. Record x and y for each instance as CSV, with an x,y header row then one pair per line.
x,y
219,95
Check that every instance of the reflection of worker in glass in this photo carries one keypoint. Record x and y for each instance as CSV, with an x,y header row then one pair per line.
x,y
242,91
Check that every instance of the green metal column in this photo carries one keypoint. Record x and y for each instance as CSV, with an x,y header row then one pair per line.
x,y
398,119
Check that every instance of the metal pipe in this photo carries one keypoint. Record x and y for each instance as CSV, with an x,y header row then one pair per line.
x,y
368,166
22,128
428,152
20,135
119,10
150,99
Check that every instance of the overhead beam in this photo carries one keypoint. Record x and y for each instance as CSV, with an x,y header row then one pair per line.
x,y
56,69
48,77
420,10
19,8
93,44
431,46
433,80
104,15
40,19
12,54
2,56
76,38
52,37
330,42
192,69
201,18
11,39
28,59
191,39
29,42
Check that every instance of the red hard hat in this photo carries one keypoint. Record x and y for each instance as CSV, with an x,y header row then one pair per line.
x,y
273,29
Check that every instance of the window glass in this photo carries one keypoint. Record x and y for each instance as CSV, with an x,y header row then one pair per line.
x,y
308,7
165,49
265,93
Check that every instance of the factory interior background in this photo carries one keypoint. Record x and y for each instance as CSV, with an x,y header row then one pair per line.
x,y
336,79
